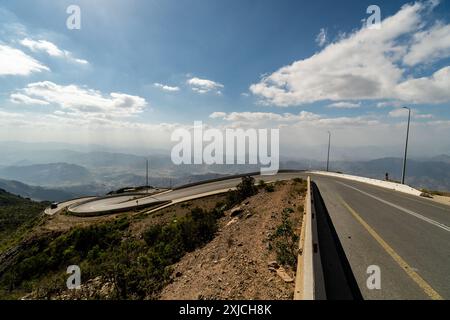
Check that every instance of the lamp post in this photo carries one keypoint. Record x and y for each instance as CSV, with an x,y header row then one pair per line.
x,y
328,156
406,145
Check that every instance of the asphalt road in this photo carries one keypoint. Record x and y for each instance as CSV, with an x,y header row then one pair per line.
x,y
128,201
407,237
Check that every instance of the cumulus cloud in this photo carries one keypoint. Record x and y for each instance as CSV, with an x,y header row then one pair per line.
x,y
166,87
433,89
16,62
81,99
204,85
366,64
429,45
304,118
217,114
51,49
344,105
24,99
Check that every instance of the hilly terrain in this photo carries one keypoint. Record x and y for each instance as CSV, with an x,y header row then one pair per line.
x,y
35,193
50,174
17,215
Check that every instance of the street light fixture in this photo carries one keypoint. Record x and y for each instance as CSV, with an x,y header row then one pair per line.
x,y
328,156
406,145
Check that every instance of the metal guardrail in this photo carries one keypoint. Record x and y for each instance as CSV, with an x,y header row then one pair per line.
x,y
309,282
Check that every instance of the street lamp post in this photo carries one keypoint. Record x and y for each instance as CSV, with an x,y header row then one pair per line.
x,y
406,145
328,156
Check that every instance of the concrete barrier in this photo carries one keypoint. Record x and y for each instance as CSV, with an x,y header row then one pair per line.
x,y
309,281
380,183
230,177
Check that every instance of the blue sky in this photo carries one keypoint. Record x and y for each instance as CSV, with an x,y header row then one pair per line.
x,y
172,62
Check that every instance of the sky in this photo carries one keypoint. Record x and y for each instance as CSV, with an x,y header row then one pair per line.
x,y
137,70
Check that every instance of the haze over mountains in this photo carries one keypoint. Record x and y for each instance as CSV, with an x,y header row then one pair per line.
x,y
44,172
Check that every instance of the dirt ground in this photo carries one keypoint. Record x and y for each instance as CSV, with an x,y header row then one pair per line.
x,y
235,265
142,221
442,199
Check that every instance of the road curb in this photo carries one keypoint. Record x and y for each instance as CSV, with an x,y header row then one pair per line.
x,y
309,282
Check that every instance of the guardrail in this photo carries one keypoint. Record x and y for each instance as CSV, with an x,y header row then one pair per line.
x,y
118,210
376,182
309,282
230,177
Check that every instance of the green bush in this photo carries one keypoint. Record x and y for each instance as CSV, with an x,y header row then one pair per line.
x,y
52,254
245,189
137,269
298,180
285,241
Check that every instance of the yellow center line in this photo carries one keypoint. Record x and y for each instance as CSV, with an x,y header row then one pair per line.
x,y
402,263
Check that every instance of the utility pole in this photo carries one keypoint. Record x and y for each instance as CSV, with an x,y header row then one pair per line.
x,y
328,156
406,146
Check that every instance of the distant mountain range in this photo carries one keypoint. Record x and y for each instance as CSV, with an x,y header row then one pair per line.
x,y
35,193
59,174
48,174
432,173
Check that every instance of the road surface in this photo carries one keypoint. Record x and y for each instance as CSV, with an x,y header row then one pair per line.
x,y
406,236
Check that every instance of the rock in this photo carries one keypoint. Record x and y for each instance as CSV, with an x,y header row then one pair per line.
x,y
236,211
272,269
106,290
283,275
273,264
234,220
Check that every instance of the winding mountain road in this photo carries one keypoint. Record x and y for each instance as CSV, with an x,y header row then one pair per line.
x,y
406,236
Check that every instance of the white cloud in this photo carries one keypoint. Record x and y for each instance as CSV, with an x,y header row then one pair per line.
x,y
217,114
433,89
77,128
42,45
305,118
429,45
24,99
321,38
83,100
204,85
269,116
51,49
424,116
385,104
166,87
400,112
344,105
16,62
366,64
403,113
